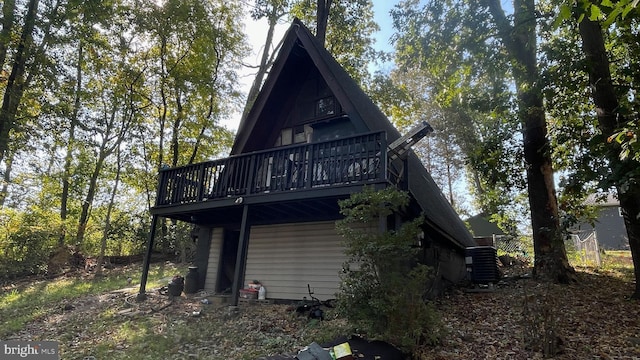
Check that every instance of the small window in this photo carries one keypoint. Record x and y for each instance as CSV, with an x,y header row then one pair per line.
x,y
298,135
325,106
286,136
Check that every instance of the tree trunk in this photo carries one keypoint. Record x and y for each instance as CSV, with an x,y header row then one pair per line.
x,y
162,117
88,201
322,19
107,221
15,83
66,172
609,120
103,153
550,255
8,16
520,42
208,121
177,125
6,178
263,67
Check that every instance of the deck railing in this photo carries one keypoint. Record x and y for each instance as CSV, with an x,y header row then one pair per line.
x,y
352,160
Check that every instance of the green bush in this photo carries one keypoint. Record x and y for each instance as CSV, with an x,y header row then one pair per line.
x,y
26,241
383,286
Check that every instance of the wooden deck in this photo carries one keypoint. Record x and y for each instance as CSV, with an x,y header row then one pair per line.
x,y
354,160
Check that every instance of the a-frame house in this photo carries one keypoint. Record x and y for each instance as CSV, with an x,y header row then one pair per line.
x,y
268,211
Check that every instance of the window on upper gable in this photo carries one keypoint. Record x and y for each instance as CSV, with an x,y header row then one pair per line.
x,y
325,107
286,136
296,135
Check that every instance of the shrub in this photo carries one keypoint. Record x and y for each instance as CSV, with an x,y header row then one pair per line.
x,y
383,286
26,240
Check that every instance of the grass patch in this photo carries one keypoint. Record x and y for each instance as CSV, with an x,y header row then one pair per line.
x,y
614,263
29,302
618,263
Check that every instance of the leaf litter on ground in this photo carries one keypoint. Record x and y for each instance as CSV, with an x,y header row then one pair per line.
x,y
592,318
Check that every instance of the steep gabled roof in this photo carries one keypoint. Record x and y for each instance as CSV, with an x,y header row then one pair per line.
x,y
602,200
482,227
299,47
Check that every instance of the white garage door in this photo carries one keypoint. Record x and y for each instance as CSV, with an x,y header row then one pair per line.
x,y
287,257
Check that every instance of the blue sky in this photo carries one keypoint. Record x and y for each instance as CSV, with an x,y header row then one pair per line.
x,y
381,15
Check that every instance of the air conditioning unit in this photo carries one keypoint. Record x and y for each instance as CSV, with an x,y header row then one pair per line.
x,y
482,264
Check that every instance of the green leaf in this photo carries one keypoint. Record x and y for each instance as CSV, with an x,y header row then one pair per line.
x,y
565,12
612,17
596,13
630,7
606,3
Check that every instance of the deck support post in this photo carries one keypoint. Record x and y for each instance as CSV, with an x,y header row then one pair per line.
x,y
147,260
241,257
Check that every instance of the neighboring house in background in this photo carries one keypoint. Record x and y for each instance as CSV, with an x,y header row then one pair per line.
x,y
268,211
487,233
608,225
483,230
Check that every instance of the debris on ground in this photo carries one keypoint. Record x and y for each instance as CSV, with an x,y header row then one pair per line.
x,y
592,318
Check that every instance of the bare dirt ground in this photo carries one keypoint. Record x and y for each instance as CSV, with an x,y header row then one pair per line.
x,y
519,319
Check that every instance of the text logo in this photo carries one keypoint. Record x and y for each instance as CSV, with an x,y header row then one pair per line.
x,y
32,350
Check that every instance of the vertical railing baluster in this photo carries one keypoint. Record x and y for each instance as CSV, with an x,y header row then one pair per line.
x,y
250,178
382,151
201,182
161,193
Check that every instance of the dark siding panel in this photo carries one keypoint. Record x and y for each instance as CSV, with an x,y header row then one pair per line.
x,y
214,259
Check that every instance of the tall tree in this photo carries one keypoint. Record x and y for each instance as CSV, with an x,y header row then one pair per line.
x,y
322,18
272,11
6,177
349,33
8,17
68,159
15,85
107,120
57,54
33,77
107,221
624,172
593,46
116,121
473,44
444,61
192,61
520,41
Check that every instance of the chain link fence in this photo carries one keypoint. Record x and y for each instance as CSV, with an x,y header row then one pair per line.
x,y
585,245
